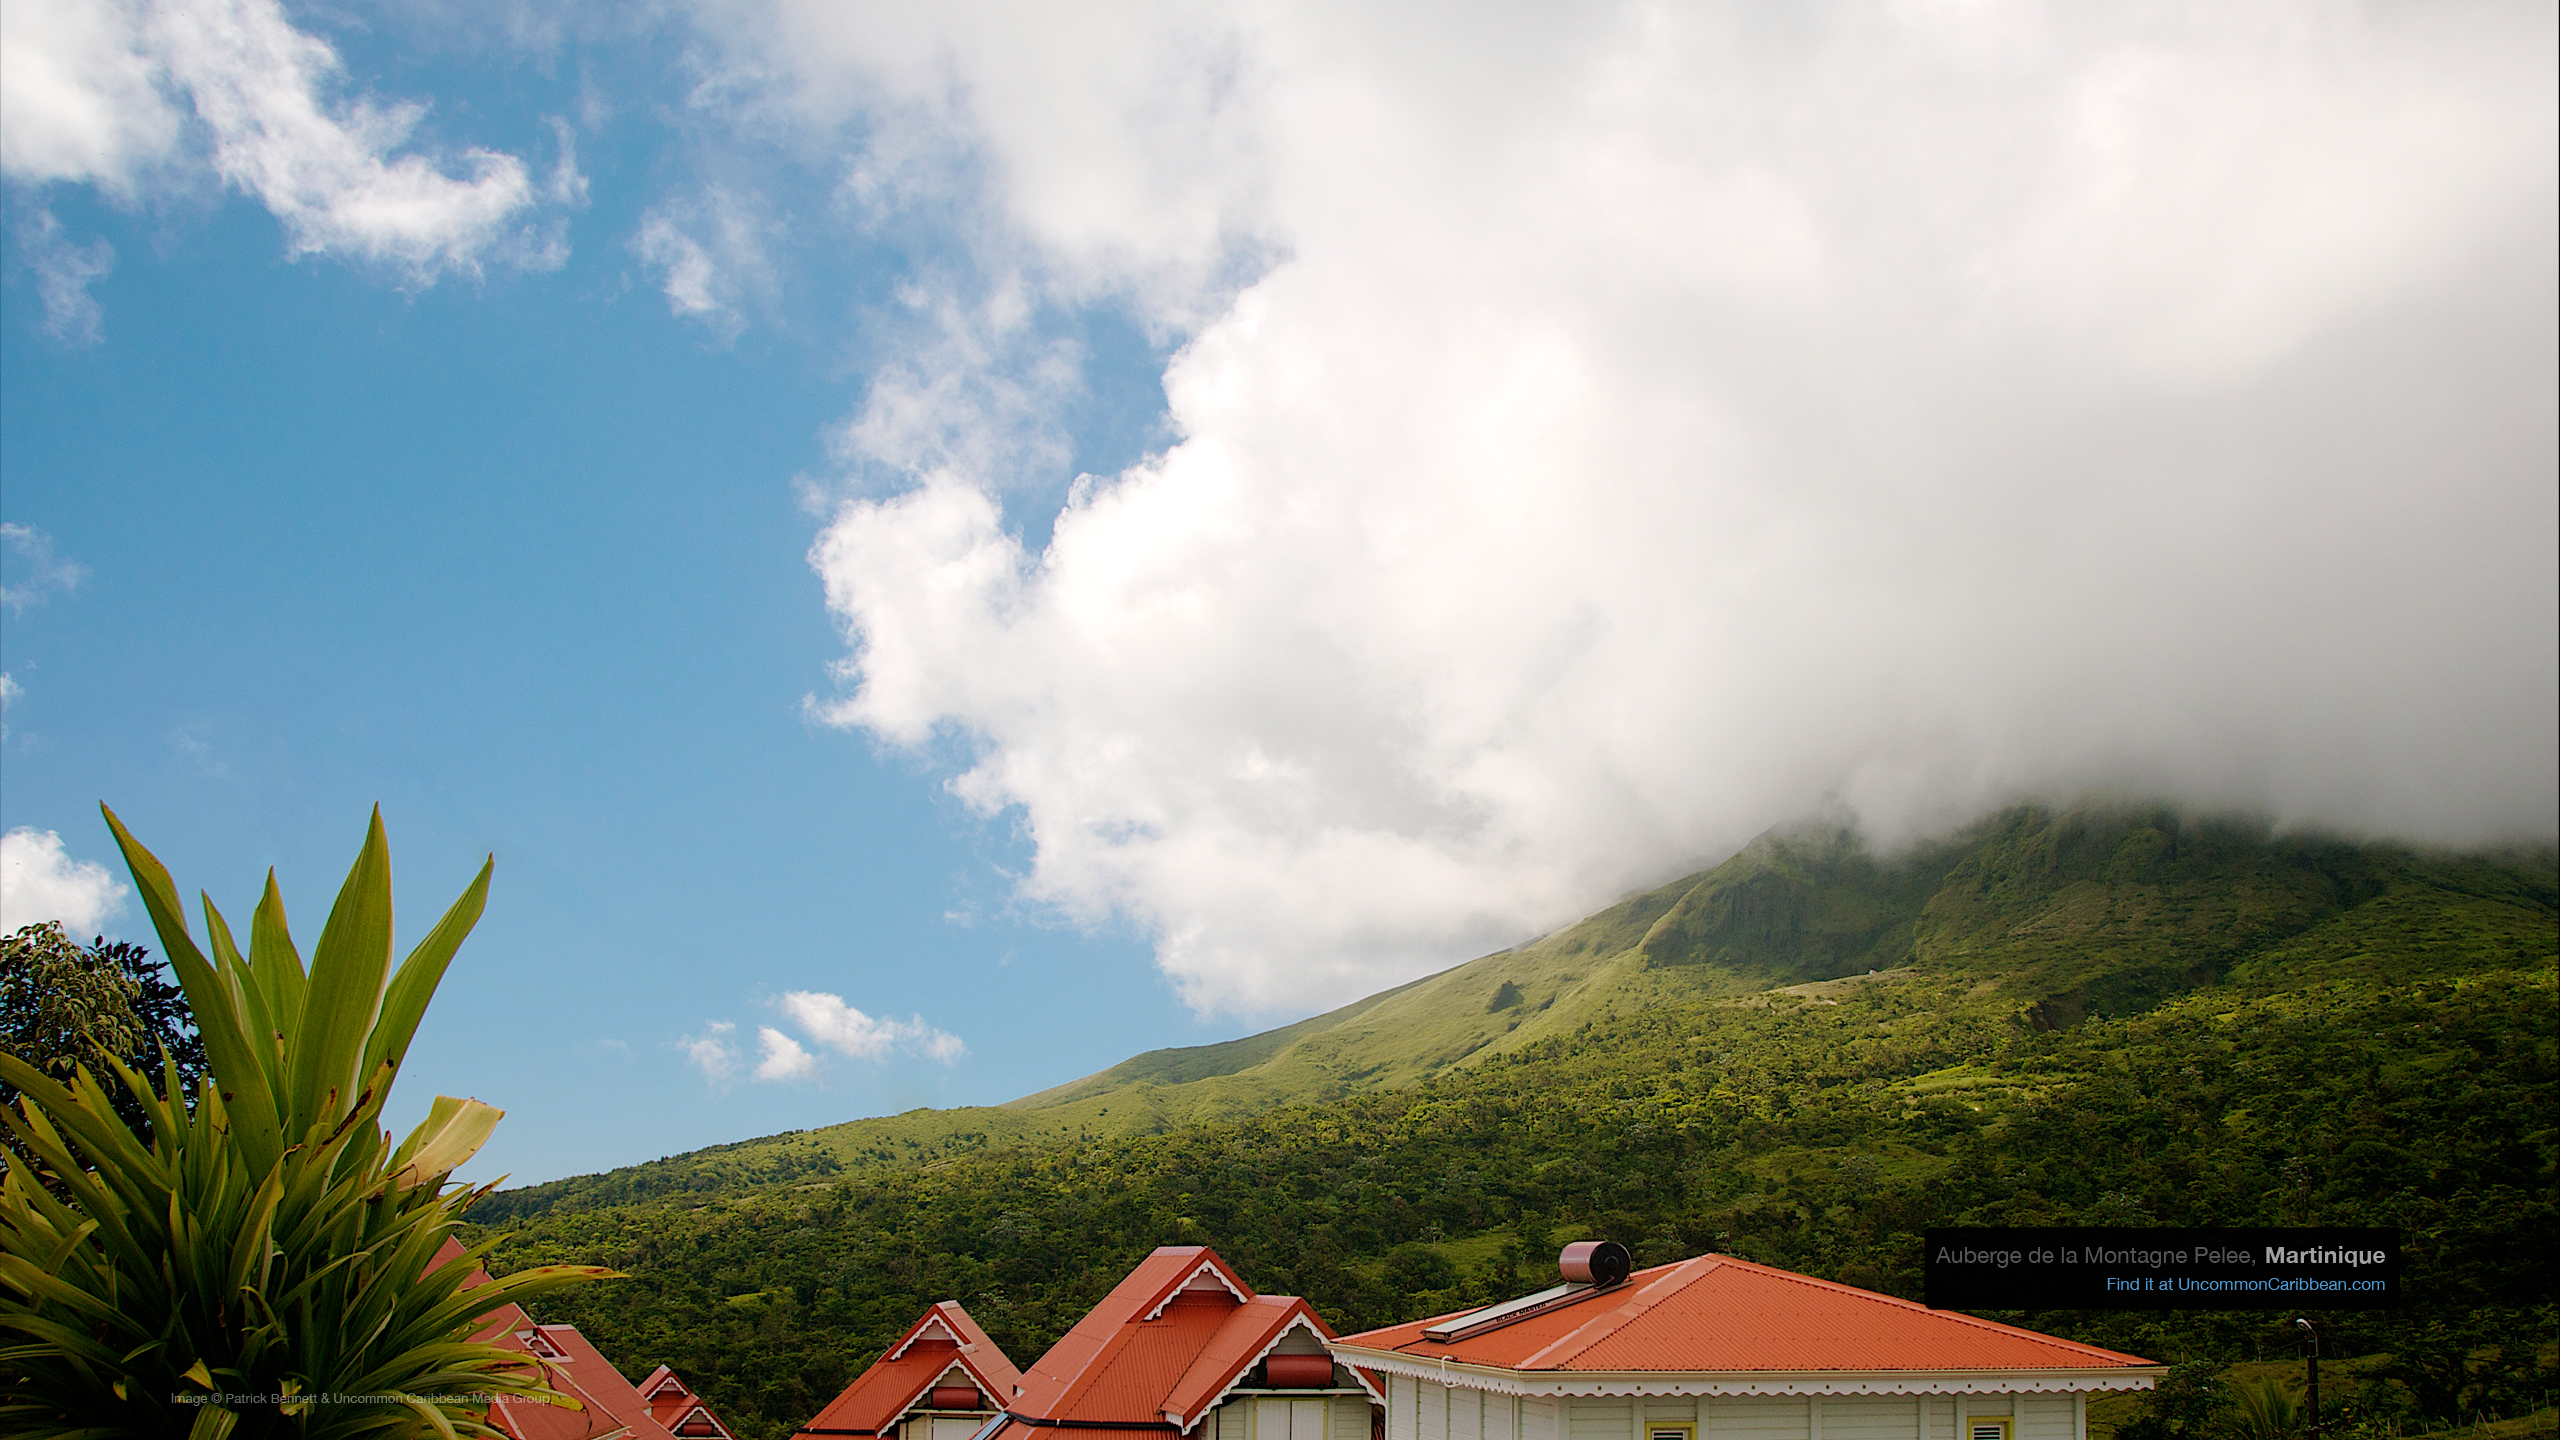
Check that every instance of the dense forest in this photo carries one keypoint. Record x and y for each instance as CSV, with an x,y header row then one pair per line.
x,y
2091,1017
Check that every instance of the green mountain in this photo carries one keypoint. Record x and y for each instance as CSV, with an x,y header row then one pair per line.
x,y
1806,1055
2105,909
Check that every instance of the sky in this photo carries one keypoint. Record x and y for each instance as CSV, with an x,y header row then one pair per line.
x,y
941,547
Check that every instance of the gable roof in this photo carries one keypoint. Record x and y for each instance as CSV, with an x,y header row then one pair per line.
x,y
1159,1352
673,1404
1716,1315
614,1408
942,1337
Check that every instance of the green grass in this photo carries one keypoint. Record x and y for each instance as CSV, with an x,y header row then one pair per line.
x,y
2087,1021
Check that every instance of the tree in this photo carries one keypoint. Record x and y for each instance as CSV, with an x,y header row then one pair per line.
x,y
262,1266
64,1005
58,1007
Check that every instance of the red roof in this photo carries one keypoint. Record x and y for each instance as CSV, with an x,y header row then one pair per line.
x,y
1168,1342
1719,1314
942,1337
613,1406
673,1404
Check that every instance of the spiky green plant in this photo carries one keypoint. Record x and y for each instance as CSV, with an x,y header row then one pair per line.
x,y
270,1240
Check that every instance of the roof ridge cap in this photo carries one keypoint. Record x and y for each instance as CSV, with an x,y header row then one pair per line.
x,y
1681,1275
1273,1329
2115,1356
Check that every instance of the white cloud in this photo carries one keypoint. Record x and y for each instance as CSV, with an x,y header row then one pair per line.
x,y
783,1058
828,1020
80,99
64,272
1659,423
712,1052
38,574
38,882
709,252
90,97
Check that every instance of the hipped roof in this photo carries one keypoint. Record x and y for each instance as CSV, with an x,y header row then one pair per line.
x,y
1717,1314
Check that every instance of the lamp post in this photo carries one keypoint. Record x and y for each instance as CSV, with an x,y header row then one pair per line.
x,y
2311,1355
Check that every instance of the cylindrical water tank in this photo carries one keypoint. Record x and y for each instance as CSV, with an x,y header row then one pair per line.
x,y
1299,1372
1594,1262
956,1397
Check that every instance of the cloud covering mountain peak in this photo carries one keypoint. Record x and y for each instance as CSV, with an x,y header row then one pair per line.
x,y
1646,424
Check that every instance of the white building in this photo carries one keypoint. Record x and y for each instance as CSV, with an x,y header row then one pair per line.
x,y
1721,1349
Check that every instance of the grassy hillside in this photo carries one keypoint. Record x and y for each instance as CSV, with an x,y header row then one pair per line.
x,y
2098,908
2087,1016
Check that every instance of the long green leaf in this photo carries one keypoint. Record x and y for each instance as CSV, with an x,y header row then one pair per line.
x,y
405,1003
274,960
266,1039
226,1045
348,968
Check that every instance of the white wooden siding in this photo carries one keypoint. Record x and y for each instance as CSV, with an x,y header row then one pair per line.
x,y
1540,1419
1293,1418
1759,1417
1466,1414
1602,1418
2043,1417
1870,1417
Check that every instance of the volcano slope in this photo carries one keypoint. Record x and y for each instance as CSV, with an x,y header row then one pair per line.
x,y
1804,1056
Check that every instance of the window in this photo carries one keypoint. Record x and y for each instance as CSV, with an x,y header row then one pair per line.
x,y
1986,1427
1670,1432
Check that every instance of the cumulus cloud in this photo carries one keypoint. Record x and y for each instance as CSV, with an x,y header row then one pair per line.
x,y
783,1057
92,94
34,573
1651,424
712,1052
81,96
828,1020
829,1023
39,882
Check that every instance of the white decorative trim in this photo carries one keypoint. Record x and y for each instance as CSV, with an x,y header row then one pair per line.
x,y
1209,1268
1296,1321
927,1331
1444,1370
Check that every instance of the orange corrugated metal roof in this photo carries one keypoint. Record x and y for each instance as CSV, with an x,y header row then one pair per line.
x,y
1248,1330
612,1405
673,1404
1017,1430
1057,1384
1719,1314
908,1368
1169,1340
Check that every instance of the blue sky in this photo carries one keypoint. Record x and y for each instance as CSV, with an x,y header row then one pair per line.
x,y
940,551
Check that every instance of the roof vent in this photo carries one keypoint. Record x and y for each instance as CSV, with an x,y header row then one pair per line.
x,y
1589,1267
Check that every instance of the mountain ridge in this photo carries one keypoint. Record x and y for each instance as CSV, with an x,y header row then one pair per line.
x,y
2098,907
